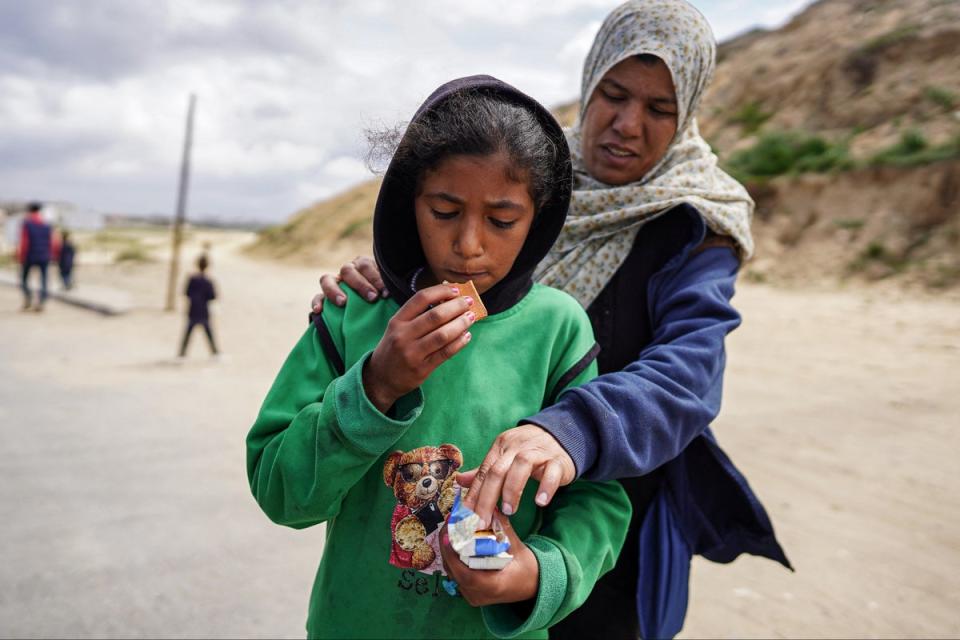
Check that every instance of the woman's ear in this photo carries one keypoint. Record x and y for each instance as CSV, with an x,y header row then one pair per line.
x,y
452,452
390,467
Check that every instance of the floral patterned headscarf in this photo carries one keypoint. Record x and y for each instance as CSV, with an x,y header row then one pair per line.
x,y
603,220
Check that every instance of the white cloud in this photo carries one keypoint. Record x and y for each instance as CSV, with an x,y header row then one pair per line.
x,y
230,158
730,18
513,13
347,168
777,13
210,13
576,49
93,94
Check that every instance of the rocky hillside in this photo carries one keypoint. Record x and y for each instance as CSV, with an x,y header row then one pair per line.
x,y
845,126
866,69
872,223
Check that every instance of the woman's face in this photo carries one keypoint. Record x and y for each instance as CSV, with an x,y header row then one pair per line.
x,y
473,219
629,122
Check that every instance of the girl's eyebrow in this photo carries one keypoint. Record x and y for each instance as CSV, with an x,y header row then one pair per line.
x,y
505,203
443,195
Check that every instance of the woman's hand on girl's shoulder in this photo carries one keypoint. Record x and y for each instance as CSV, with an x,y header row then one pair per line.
x,y
429,329
517,582
360,274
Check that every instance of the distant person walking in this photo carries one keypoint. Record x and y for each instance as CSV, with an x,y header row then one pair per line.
x,y
36,247
200,290
65,260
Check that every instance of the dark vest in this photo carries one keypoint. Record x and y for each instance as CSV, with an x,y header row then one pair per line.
x,y
621,322
39,237
620,314
67,252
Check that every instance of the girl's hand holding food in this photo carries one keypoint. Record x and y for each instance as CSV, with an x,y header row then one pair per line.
x,y
427,331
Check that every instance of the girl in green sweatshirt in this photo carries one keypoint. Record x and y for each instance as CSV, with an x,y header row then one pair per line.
x,y
380,403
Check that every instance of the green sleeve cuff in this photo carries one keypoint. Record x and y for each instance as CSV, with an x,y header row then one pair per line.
x,y
506,621
361,423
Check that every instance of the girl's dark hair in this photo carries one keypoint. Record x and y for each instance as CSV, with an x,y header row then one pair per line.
x,y
474,123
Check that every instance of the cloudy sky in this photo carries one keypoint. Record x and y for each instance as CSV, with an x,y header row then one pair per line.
x,y
93,93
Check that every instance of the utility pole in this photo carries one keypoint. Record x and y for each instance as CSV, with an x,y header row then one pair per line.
x,y
181,208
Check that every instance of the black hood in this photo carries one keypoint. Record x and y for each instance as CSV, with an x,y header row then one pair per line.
x,y
396,244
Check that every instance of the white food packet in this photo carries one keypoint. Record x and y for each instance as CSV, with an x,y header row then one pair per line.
x,y
478,548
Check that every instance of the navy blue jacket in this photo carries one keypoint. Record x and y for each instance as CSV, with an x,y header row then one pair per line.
x,y
67,254
200,290
38,237
650,410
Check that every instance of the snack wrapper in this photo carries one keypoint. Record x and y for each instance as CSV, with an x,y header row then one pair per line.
x,y
484,543
478,548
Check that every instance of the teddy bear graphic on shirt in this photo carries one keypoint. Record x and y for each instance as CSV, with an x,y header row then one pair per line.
x,y
423,483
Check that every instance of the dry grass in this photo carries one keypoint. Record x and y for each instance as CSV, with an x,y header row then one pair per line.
x,y
340,225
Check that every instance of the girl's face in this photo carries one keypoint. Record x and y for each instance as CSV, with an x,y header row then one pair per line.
x,y
629,122
472,219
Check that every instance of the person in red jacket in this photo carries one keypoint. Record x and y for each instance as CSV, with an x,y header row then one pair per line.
x,y
35,250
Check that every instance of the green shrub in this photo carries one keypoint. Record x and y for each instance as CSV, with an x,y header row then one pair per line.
x,y
851,224
106,237
913,149
777,153
945,276
910,142
890,38
877,253
832,157
944,98
751,117
134,253
355,227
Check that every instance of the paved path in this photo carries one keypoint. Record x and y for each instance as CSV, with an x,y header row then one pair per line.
x,y
124,501
124,509
108,301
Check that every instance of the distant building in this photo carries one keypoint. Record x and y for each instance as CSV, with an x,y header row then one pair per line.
x,y
8,238
63,215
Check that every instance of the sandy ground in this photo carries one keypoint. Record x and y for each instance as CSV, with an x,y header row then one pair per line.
x,y
126,510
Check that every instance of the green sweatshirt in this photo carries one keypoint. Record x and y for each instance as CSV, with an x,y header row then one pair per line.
x,y
318,449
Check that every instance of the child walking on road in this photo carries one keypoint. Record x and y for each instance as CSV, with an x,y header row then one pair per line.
x,y
65,259
200,291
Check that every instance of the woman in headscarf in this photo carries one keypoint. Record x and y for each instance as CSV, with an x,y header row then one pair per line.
x,y
652,245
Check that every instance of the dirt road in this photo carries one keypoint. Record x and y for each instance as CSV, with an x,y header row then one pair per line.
x,y
126,509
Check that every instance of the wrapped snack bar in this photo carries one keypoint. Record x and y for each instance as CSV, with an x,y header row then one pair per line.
x,y
478,548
